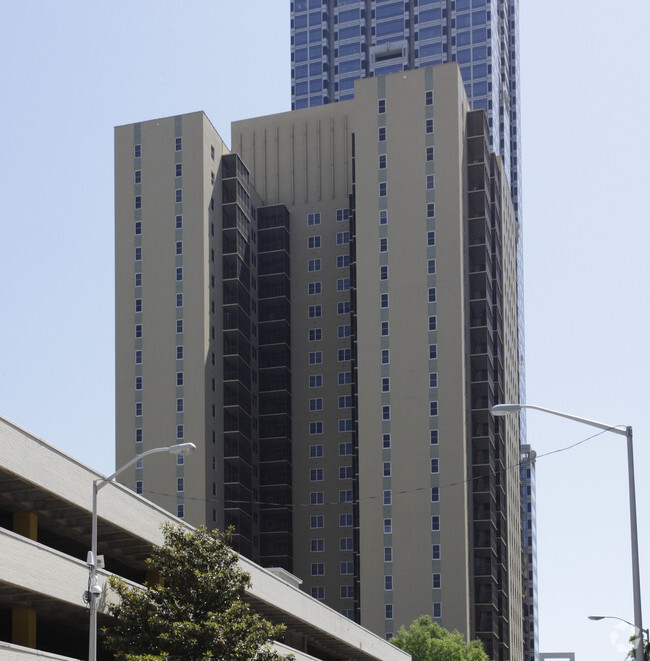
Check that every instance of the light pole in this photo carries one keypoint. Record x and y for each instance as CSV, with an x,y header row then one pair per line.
x,y
614,617
94,590
507,409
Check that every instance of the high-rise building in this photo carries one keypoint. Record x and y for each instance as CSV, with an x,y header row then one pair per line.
x,y
329,311
529,551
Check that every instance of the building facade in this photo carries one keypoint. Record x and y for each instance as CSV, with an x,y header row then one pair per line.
x,y
329,311
529,551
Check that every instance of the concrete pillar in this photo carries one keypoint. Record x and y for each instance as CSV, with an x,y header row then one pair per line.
x,y
23,627
26,524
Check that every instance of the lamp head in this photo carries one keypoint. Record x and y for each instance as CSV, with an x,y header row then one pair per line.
x,y
505,409
181,448
596,617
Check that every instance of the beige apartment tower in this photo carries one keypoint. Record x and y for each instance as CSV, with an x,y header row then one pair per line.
x,y
328,311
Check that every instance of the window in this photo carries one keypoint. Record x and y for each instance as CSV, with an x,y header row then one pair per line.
x,y
179,247
315,357
346,544
388,582
342,261
383,189
313,219
318,592
388,497
433,351
342,238
313,242
137,151
345,520
436,552
138,302
433,437
179,170
383,300
436,581
138,487
344,378
316,498
384,328
179,325
430,182
138,383
179,378
433,380
347,592
437,609
432,294
316,475
317,521
383,245
343,307
316,427
388,553
180,511
345,425
431,266
388,526
383,273
345,449
317,545
385,384
138,227
431,238
428,97
315,380
383,217
137,177
381,134
435,523
314,265
317,568
179,144
179,222
435,494
431,208
179,352
315,288
180,484
429,153
385,441
138,201
343,284
387,467
343,331
316,404
342,214
385,356
180,459
345,401
212,152
428,126
433,408
315,334
315,311
345,496
179,195
345,472
344,354
382,161
180,405
138,409
179,300
346,568
381,106
138,357
180,431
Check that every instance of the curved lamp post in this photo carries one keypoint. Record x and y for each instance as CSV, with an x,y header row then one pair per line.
x,y
94,590
614,617
507,409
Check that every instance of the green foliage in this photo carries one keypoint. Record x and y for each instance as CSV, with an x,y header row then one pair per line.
x,y
425,640
196,612
646,650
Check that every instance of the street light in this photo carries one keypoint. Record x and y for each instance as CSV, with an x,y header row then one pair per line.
x,y
614,617
506,409
94,590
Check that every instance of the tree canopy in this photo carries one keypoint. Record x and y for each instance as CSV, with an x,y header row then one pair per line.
x,y
425,640
196,611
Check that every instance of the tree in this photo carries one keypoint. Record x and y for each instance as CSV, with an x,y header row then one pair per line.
x,y
646,649
196,611
425,640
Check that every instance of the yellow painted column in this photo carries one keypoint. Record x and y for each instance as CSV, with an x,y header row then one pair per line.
x,y
26,524
23,627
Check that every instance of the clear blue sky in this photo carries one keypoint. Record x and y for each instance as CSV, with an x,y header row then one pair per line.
x,y
72,70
